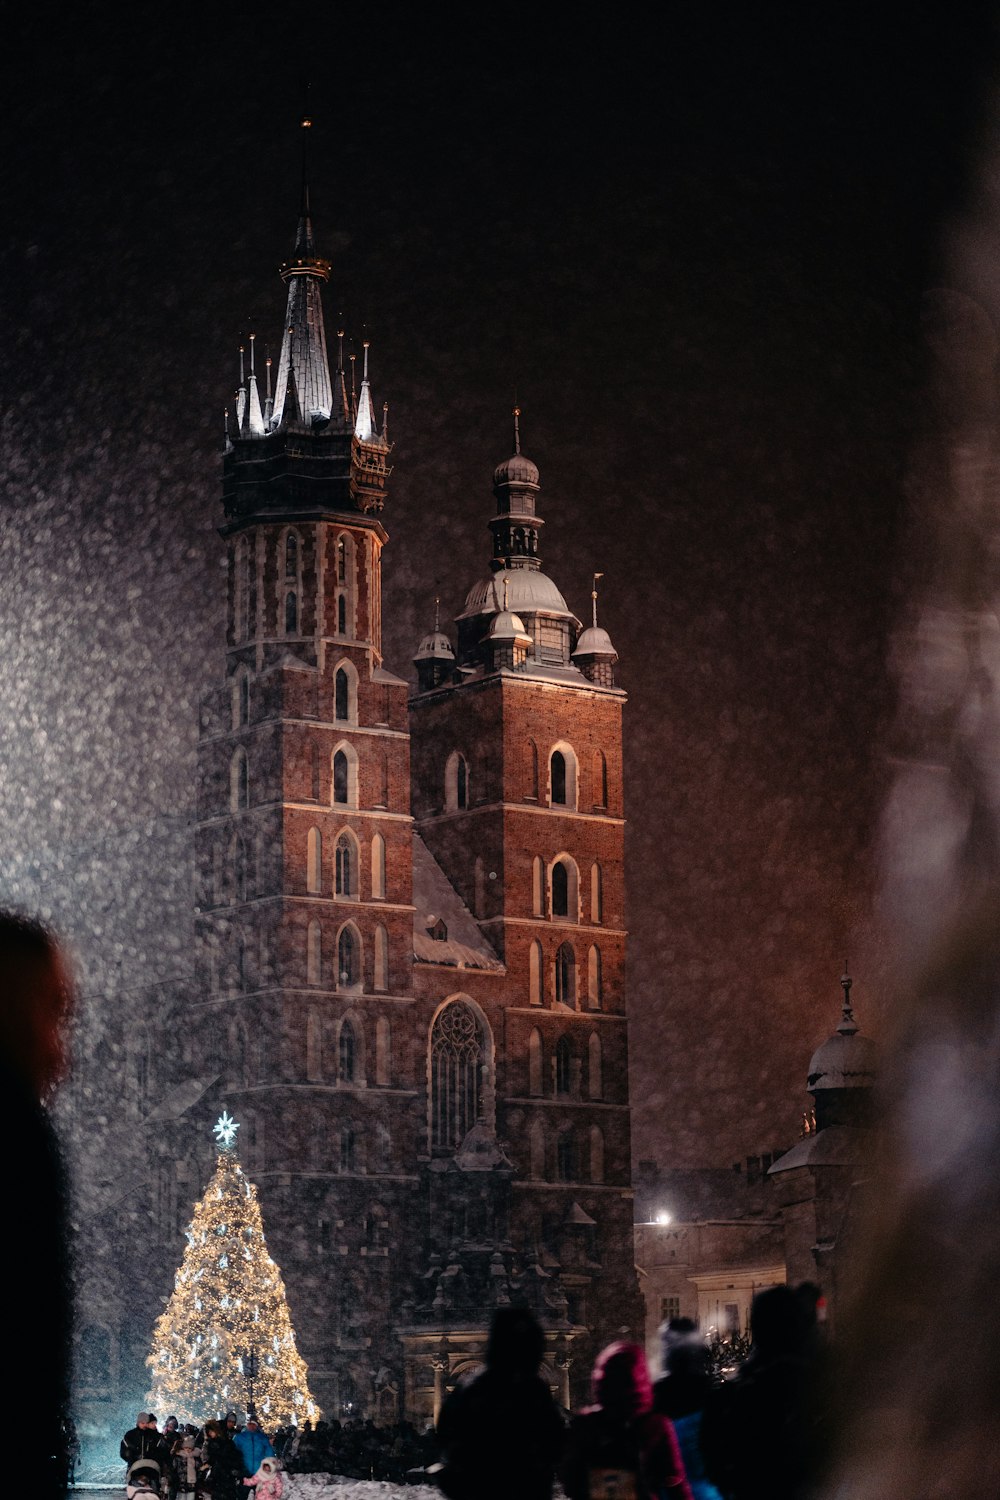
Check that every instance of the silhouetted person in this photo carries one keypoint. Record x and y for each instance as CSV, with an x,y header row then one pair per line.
x,y
682,1394
762,1431
500,1432
35,996
620,1446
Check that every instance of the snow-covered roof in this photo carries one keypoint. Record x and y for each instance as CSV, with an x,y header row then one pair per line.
x,y
528,590
836,1146
436,900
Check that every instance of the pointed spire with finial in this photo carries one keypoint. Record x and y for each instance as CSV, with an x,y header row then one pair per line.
x,y
517,429
255,417
268,395
241,392
303,348
593,595
341,406
225,428
848,1026
354,394
364,427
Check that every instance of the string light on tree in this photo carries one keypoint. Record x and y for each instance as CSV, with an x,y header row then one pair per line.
x,y
228,1297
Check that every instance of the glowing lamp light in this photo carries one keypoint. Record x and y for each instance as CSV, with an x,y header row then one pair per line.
x,y
663,1217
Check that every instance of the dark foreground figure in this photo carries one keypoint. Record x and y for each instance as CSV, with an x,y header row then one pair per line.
x,y
34,1004
620,1448
501,1433
764,1433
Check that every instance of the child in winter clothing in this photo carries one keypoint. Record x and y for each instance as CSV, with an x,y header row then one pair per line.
x,y
267,1480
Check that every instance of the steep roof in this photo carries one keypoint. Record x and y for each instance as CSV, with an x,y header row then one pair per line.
x,y
436,900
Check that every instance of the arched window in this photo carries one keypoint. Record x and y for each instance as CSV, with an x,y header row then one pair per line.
x,y
557,773
457,1065
600,779
238,868
566,975
241,591
596,894
380,977
532,790
535,1078
341,614
596,1154
566,1156
378,867
537,1151
314,861
456,782
346,866
564,884
341,559
341,695
595,1067
535,963
314,953
563,1066
314,1047
383,1054
346,1053
348,1149
291,613
345,776
537,887
239,781
562,776
348,958
595,983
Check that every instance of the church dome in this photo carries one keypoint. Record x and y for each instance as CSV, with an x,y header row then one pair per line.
x,y
507,626
518,469
595,641
435,646
846,1060
528,591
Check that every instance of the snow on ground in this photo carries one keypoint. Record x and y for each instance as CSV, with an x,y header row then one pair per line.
x,y
302,1487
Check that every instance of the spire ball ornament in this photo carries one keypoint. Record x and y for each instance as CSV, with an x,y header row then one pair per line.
x,y
224,1130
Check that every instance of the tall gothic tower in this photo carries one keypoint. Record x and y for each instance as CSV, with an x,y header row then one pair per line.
x,y
413,993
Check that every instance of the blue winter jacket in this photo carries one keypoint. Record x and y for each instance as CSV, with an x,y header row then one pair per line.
x,y
253,1447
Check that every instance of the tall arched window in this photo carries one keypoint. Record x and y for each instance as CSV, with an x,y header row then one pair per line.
x,y
348,1149
314,861
595,1067
346,1054
566,1156
378,867
346,866
383,1053
456,782
562,776
595,982
600,779
239,781
536,994
291,613
564,889
532,790
535,1072
596,894
345,776
596,1154
566,975
292,556
341,615
348,957
380,976
537,887
537,1151
341,696
557,772
563,1066
457,1065
314,953
341,559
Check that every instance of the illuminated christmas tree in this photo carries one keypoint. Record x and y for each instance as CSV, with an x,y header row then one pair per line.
x,y
228,1318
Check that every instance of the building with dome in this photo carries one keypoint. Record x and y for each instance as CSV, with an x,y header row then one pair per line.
x,y
410,930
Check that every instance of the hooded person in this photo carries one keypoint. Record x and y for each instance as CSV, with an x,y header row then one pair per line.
x,y
500,1431
620,1446
267,1481
253,1445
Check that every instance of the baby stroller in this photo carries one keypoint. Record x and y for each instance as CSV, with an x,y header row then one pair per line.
x,y
144,1480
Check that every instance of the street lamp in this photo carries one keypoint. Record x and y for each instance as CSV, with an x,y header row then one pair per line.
x,y
250,1368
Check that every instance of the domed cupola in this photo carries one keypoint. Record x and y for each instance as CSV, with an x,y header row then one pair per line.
x,y
508,642
594,654
842,1071
434,658
515,526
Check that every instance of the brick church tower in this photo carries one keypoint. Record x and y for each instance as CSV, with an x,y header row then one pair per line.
x,y
411,987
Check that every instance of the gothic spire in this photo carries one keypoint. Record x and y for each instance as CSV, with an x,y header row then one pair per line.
x,y
364,428
303,345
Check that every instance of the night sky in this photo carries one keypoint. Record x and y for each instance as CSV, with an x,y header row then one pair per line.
x,y
699,256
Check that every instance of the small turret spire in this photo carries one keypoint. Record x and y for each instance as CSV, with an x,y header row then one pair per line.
x,y
848,1025
385,421
593,596
437,602
241,393
364,427
517,429
255,417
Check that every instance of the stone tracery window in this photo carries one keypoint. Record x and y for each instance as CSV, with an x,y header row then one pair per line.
x,y
458,1060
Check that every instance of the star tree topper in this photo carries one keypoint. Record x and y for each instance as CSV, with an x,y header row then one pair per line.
x,y
224,1130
